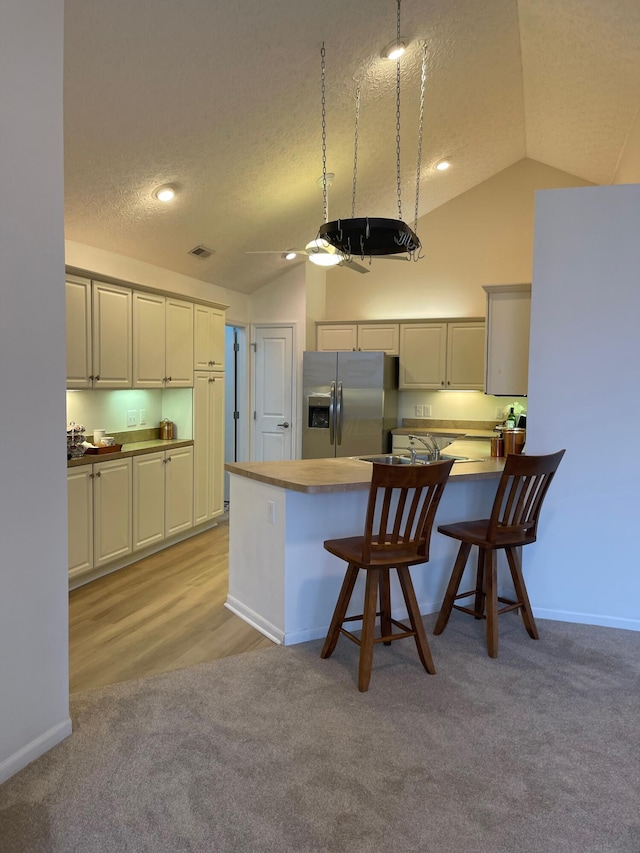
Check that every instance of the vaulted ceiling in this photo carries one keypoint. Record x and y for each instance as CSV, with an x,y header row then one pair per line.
x,y
222,99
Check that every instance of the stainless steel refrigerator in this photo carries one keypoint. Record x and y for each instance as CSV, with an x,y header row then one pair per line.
x,y
350,403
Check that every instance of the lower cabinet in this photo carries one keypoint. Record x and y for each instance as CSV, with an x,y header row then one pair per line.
x,y
162,495
99,514
208,445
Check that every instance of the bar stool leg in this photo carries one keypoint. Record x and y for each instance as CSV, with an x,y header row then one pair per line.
x,y
480,586
521,592
424,653
340,611
385,605
491,602
368,629
452,588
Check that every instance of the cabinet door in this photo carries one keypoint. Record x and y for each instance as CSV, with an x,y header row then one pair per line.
x,y
423,355
507,339
178,514
216,468
112,520
179,343
209,344
148,499
379,337
80,519
465,356
340,338
148,340
78,304
112,345
201,446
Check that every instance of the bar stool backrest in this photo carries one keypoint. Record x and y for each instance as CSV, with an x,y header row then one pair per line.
x,y
403,500
522,489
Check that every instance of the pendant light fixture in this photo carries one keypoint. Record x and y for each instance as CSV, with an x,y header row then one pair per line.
x,y
374,236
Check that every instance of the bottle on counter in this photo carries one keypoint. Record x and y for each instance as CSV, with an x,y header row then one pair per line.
x,y
511,419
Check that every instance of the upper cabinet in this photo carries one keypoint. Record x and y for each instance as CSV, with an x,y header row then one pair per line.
x,y
442,355
162,341
209,332
79,358
364,337
99,342
507,339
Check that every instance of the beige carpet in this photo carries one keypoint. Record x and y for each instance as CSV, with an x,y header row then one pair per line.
x,y
276,751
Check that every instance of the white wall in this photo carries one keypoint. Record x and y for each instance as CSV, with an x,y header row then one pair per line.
x,y
583,395
34,686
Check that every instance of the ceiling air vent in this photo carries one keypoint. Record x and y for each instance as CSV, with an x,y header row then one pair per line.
x,y
201,252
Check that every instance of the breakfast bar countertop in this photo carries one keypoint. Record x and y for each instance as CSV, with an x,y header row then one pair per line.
x,y
342,475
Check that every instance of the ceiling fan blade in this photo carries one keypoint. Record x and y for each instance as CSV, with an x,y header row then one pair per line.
x,y
392,257
352,265
278,252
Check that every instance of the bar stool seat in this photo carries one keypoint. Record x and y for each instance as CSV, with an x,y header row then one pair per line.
x,y
513,523
403,500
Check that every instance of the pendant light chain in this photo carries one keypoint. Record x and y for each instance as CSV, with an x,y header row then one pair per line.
x,y
355,155
398,117
324,138
420,126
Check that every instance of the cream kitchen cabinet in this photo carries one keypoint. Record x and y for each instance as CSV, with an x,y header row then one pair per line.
x,y
99,514
507,339
111,336
208,445
209,338
162,495
99,339
162,341
79,356
80,519
365,337
442,355
112,527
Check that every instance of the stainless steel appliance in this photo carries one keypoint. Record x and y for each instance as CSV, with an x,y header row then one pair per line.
x,y
350,403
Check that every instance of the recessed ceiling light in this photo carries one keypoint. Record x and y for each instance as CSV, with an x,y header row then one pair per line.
x,y
289,256
443,165
394,49
164,193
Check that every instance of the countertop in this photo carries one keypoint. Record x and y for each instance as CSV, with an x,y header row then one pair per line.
x,y
135,448
342,475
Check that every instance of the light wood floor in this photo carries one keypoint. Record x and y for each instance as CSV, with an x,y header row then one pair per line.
x,y
164,612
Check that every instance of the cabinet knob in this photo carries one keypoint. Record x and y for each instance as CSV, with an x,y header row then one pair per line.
x,y
97,378
91,476
168,379
98,474
92,377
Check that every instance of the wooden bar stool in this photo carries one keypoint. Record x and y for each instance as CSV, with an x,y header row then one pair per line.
x,y
514,522
403,500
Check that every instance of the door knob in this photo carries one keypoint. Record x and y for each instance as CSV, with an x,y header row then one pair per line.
x,y
285,425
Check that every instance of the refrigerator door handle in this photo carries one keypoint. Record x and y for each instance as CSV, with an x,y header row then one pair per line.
x,y
339,414
332,414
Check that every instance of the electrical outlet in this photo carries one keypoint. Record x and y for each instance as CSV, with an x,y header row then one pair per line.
x,y
499,412
132,419
426,411
418,411
271,512
143,416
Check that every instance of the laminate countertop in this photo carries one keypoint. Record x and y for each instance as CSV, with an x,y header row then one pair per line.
x,y
134,448
343,475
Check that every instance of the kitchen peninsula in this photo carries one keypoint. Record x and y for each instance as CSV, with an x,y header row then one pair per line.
x,y
282,581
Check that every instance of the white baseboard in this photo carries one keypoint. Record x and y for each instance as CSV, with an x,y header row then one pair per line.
x,y
28,753
255,620
586,618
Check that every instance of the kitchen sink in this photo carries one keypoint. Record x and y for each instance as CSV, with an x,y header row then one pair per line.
x,y
400,459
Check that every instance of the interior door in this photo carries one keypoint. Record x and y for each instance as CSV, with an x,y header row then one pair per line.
x,y
273,392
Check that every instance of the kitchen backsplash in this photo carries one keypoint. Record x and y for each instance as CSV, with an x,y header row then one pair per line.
x,y
454,405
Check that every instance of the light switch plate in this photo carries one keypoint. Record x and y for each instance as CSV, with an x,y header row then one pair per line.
x,y
132,419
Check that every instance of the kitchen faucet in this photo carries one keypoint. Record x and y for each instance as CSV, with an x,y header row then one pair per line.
x,y
431,445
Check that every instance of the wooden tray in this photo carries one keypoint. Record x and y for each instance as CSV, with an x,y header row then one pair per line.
x,y
98,451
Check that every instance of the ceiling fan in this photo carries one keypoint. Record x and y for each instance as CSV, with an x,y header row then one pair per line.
x,y
319,252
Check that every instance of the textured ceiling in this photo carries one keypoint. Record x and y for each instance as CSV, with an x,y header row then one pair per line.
x,y
222,99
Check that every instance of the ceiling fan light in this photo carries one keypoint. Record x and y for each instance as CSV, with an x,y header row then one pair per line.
x,y
322,253
289,256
